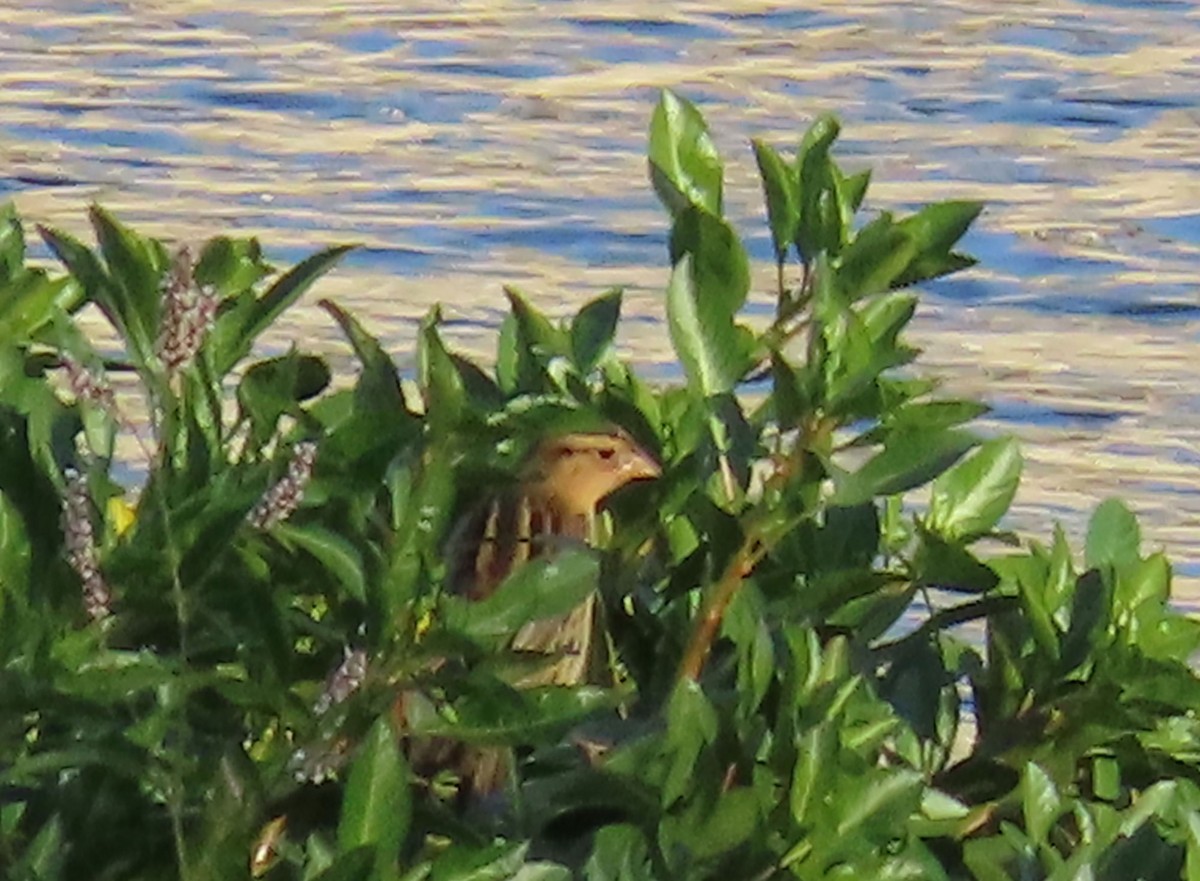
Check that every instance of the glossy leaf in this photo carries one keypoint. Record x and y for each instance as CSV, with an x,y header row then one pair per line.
x,y
906,461
1041,802
230,265
876,257
720,264
935,229
685,167
969,499
714,350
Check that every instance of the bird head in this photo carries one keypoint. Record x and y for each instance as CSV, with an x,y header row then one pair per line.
x,y
579,469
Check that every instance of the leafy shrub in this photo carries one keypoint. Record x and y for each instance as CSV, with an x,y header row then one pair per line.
x,y
230,672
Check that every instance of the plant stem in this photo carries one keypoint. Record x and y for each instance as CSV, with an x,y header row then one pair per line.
x,y
716,602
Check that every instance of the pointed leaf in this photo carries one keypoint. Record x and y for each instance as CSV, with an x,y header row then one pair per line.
x,y
593,329
378,386
970,498
714,350
377,805
813,232
876,257
936,228
720,264
135,266
339,558
445,396
685,167
783,201
282,294
1041,801
907,461
12,244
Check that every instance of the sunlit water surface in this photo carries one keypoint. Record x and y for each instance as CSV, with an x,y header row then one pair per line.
x,y
467,145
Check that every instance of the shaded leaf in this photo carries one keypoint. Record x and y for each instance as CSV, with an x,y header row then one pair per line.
x,y
377,805
783,203
593,329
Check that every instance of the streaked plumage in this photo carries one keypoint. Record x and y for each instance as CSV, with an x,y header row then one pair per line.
x,y
559,491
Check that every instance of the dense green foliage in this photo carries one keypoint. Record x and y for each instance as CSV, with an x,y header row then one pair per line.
x,y
202,685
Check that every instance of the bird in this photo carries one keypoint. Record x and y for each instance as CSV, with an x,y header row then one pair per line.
x,y
559,492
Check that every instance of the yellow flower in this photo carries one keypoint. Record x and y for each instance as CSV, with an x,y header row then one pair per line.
x,y
120,515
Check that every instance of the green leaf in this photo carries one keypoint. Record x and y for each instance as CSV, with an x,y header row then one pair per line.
x,y
935,229
877,256
547,586
445,395
32,302
685,167
535,342
970,498
266,309
230,266
593,330
495,862
353,865
377,805
1114,537
378,386
691,725
780,190
882,804
949,566
730,823
853,188
274,387
930,266
819,228
87,270
721,266
12,244
1041,802
340,558
618,854
498,715
135,266
906,461
926,415
716,352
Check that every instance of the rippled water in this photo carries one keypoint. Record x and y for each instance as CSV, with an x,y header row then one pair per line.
x,y
471,144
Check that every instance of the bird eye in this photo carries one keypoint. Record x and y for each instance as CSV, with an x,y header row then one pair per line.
x,y
606,453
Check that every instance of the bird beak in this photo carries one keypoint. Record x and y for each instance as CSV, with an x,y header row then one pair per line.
x,y
642,466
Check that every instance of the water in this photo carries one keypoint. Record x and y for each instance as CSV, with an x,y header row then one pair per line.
x,y
466,145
